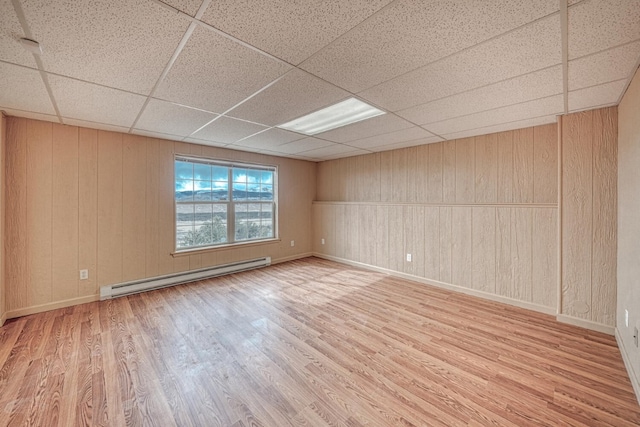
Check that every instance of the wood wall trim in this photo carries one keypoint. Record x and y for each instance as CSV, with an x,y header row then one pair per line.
x,y
587,324
633,376
25,311
494,205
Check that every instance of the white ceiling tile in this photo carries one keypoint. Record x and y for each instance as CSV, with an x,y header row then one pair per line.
x,y
539,84
525,50
596,25
301,145
596,96
160,135
22,89
172,119
190,7
406,144
520,124
86,101
540,107
118,43
375,126
94,125
228,130
269,139
603,67
332,150
294,95
30,115
290,30
10,33
395,137
213,73
409,34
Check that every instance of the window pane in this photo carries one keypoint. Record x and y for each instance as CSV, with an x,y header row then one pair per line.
x,y
267,177
266,192
202,172
203,191
219,224
184,190
184,170
240,176
220,190
185,214
240,195
220,173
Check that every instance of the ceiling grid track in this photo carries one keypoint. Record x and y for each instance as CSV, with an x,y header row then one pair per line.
x,y
43,74
564,31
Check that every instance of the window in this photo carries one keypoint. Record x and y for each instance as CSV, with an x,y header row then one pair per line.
x,y
221,203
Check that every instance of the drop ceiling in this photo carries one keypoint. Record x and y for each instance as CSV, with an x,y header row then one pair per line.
x,y
227,72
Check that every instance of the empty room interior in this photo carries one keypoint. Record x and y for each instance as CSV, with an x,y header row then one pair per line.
x,y
320,213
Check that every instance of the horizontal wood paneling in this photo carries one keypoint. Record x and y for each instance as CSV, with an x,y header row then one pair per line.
x,y
80,198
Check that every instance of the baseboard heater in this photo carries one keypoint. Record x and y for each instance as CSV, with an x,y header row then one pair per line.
x,y
143,285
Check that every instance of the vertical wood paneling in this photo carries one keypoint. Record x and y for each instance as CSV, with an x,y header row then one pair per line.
x,y
465,175
505,167
109,208
523,165
449,171
65,211
396,238
39,211
435,174
484,249
544,257
486,169
371,184
16,273
400,175
521,256
352,249
445,244
341,232
3,145
366,233
151,208
382,236
432,242
414,239
577,231
422,174
134,209
504,265
386,176
461,246
605,201
88,209
545,164
412,174
166,224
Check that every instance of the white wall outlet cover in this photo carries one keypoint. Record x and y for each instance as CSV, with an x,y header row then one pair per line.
x,y
626,318
408,257
84,274
323,241
293,243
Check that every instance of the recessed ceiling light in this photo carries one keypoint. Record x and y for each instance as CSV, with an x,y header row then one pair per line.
x,y
344,113
31,45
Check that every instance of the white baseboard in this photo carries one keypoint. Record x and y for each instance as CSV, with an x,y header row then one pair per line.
x,y
448,286
587,324
50,306
627,363
291,258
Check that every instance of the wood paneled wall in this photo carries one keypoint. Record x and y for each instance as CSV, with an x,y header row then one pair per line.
x,y
589,218
628,271
478,213
3,138
82,198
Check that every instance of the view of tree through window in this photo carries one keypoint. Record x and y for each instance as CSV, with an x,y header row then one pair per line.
x,y
222,203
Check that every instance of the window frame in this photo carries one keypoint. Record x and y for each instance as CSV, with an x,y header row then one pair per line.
x,y
230,204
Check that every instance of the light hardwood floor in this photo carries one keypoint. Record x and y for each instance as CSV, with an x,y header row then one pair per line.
x,y
309,342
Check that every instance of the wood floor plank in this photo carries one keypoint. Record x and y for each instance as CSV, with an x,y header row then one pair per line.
x,y
308,343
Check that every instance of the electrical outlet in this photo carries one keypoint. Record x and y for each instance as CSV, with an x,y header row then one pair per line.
x,y
408,257
323,241
293,243
84,274
635,336
626,318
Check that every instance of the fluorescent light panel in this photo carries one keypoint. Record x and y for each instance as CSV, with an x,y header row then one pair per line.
x,y
343,113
